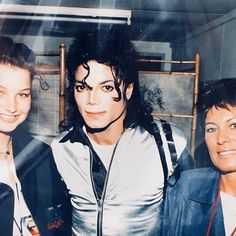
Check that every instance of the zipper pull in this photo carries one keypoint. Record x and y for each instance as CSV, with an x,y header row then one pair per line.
x,y
100,205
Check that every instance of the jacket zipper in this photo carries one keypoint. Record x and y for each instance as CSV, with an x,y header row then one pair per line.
x,y
100,202
99,217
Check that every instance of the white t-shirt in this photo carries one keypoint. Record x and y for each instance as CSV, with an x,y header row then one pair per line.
x,y
229,212
8,176
104,152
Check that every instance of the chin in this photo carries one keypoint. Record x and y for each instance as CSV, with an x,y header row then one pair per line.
x,y
94,125
8,128
96,128
227,172
227,169
8,132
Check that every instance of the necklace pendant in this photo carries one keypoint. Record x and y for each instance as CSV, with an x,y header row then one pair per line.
x,y
5,156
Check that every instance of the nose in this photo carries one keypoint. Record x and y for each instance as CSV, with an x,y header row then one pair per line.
x,y
92,98
223,137
10,104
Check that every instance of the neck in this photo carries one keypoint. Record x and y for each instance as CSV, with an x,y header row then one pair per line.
x,y
4,140
228,183
107,137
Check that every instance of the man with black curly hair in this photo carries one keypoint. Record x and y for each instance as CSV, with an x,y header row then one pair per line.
x,y
108,155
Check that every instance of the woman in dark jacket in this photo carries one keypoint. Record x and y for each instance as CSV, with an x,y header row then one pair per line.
x,y
203,201
33,197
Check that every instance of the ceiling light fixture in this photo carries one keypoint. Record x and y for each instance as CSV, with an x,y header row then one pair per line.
x,y
75,14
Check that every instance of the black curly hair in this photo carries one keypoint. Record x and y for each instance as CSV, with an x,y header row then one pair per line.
x,y
111,47
16,54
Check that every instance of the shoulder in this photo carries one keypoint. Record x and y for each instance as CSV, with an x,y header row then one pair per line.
x,y
22,139
178,136
177,133
190,176
60,146
28,145
194,180
35,158
59,138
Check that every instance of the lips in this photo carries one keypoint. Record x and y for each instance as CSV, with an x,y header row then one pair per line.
x,y
227,153
8,118
95,112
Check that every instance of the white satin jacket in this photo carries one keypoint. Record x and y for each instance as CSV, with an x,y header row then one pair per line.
x,y
131,200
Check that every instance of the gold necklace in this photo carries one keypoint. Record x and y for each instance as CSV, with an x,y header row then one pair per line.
x,y
5,155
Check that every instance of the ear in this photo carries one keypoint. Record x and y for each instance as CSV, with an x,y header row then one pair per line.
x,y
129,91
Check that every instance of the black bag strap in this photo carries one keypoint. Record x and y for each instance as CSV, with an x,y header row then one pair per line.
x,y
158,139
171,146
170,142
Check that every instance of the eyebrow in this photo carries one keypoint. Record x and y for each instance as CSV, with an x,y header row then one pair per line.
x,y
24,89
212,123
101,83
230,119
106,81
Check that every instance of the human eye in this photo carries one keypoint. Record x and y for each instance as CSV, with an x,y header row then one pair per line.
x,y
233,125
80,87
210,129
24,95
107,88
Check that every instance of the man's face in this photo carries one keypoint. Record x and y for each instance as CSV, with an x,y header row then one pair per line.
x,y
220,136
15,96
95,99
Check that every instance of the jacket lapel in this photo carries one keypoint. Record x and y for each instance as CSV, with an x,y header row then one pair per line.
x,y
206,189
98,170
6,209
205,192
25,161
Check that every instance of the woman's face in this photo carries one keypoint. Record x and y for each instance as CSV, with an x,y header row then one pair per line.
x,y
220,136
15,96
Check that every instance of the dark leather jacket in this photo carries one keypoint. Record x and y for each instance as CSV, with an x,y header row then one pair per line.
x,y
42,187
189,204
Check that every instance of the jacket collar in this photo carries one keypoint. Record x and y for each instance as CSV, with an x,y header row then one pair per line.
x,y
23,150
203,185
76,135
27,153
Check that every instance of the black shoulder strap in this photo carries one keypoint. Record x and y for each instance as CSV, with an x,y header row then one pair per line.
x,y
171,145
170,142
158,139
